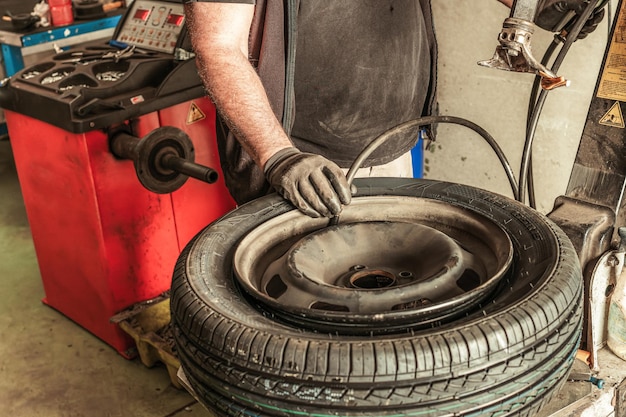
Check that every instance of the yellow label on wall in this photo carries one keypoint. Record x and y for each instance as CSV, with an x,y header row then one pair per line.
x,y
613,82
613,117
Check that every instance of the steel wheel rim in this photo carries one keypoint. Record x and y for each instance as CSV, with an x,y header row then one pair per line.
x,y
447,263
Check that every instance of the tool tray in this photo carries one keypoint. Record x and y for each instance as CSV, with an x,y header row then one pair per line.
x,y
98,86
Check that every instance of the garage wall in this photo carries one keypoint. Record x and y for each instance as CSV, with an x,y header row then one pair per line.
x,y
498,100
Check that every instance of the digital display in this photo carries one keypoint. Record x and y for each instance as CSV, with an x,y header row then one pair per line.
x,y
141,14
154,25
175,19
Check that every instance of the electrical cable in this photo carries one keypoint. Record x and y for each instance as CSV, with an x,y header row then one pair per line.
x,y
532,123
429,120
536,88
558,39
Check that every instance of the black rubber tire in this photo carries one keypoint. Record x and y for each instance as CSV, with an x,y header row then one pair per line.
x,y
506,359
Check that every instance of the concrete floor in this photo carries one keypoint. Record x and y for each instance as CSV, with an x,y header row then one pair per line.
x,y
50,366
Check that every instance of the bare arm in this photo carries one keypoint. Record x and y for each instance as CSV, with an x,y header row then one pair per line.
x,y
508,3
219,34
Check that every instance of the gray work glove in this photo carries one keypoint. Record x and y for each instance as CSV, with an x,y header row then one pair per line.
x,y
553,12
315,185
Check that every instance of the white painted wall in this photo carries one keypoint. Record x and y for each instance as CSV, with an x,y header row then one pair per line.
x,y
498,100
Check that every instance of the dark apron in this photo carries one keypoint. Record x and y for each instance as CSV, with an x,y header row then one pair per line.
x,y
273,55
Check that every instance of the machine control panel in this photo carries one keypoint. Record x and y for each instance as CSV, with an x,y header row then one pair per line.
x,y
153,25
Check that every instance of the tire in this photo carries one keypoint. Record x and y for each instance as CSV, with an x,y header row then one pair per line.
x,y
505,357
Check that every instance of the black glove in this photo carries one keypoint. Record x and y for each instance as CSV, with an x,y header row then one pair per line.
x,y
315,185
551,15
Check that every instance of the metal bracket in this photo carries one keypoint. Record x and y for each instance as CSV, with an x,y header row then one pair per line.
x,y
590,227
163,159
515,53
601,284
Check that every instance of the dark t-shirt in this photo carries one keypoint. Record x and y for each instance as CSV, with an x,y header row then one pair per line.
x,y
362,67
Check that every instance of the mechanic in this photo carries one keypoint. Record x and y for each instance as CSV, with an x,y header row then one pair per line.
x,y
361,68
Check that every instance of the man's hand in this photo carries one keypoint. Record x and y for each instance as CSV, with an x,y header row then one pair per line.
x,y
315,185
553,13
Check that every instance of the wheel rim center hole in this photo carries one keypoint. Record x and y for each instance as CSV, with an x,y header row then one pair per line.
x,y
372,280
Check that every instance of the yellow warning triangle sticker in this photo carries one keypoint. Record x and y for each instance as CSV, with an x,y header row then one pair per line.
x,y
613,117
195,114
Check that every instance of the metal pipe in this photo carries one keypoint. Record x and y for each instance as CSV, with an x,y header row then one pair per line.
x,y
191,169
525,9
125,146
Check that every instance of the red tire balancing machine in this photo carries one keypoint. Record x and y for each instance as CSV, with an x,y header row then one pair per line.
x,y
105,241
